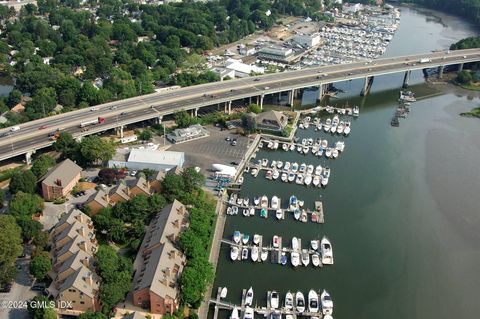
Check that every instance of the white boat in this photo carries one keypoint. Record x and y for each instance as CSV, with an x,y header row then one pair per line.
x,y
264,255
324,181
240,201
304,141
275,174
340,146
234,251
299,179
252,211
265,162
335,120
275,145
293,202
292,147
326,172
284,177
296,213
300,203
245,212
274,164
305,149
302,168
333,129
229,210
289,301
234,210
223,292
300,149
328,121
310,169
274,299
237,236
328,152
294,243
234,314
312,301
327,303
249,297
301,125
286,166
299,302
313,244
244,253
305,257
316,180
275,202
245,239
303,216
256,239
276,241
356,111
327,252
240,180
334,153
340,128
295,167
249,314
254,253
269,174
295,258
264,202
285,147
279,214
246,201
279,164
291,177
346,130
327,128
316,259
308,179
324,144
256,201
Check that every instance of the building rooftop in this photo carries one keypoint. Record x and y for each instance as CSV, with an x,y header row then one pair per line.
x,y
62,174
121,190
155,157
239,66
84,280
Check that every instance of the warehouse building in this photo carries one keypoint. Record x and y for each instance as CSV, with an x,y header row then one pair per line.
x,y
138,159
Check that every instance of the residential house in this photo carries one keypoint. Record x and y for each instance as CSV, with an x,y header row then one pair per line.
x,y
156,182
120,193
98,201
141,187
159,263
60,180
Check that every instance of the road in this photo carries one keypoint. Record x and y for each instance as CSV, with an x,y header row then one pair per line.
x,y
30,137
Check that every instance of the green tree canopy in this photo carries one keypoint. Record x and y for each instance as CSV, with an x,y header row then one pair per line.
x,y
40,266
42,164
23,181
47,312
10,247
24,205
95,149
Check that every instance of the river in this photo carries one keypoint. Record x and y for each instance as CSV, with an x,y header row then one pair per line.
x,y
400,209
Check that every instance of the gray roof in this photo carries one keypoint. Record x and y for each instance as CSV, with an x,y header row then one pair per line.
x,y
99,197
79,259
62,174
272,116
80,281
74,245
73,216
142,184
122,190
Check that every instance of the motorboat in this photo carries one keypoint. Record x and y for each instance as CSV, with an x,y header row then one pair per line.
x,y
273,164
284,177
256,201
223,292
340,146
340,128
256,239
304,141
276,315
279,164
264,255
275,174
356,111
335,120
295,259
293,202
237,236
310,169
328,121
316,180
312,301
249,297
300,149
305,257
285,147
305,149
292,147
302,168
274,299
240,180
294,167
275,202
300,301
283,258
328,152
297,213
303,216
234,314
245,212
324,144
333,129
300,203
324,181
327,127
327,252
287,166
254,253
246,201
229,210
240,201
234,251
289,301
264,202
234,210
318,170
299,179
252,211
313,244
276,241
248,314
316,260
244,253
263,213
295,243
245,239
327,303
291,177
279,214
315,217
326,172
346,130
308,179
269,174
265,162
334,153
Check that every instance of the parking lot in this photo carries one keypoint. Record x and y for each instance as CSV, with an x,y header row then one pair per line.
x,y
213,149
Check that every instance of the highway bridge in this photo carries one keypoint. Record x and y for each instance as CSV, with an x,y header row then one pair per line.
x,y
34,135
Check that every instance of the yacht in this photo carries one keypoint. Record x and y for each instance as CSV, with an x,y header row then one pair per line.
x,y
340,146
327,252
327,303
269,175
286,166
256,201
275,203
234,252
274,299
279,164
314,244
312,301
264,201
249,314
302,168
316,259
289,301
244,253
285,147
305,257
245,239
300,301
254,253
299,179
293,202
275,174
234,314
291,177
264,255
324,144
279,214
295,259
237,236
326,172
297,213
249,297
256,239
334,153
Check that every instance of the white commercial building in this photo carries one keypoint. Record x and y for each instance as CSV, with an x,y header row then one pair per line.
x,y
139,159
307,40
241,69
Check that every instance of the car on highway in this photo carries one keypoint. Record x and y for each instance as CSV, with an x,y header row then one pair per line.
x,y
123,113
266,88
93,109
43,127
256,79
113,107
15,128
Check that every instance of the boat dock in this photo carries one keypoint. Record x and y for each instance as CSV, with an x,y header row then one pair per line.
x,y
277,250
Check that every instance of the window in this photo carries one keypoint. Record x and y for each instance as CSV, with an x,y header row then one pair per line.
x,y
82,302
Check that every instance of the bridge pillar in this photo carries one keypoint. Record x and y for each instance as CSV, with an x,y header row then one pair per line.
x,y
440,71
261,102
460,67
28,157
367,85
279,96
229,107
159,119
291,95
406,79
320,92
249,100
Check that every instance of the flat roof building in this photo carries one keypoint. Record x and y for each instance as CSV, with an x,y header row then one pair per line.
x,y
192,132
284,55
307,40
139,159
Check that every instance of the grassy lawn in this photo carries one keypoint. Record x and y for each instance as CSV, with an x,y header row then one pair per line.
x,y
471,86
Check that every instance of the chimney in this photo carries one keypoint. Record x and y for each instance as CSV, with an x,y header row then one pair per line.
x,y
89,279
82,231
58,182
168,272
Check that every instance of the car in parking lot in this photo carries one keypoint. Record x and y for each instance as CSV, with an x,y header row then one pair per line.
x,y
133,173
233,143
6,287
38,287
228,139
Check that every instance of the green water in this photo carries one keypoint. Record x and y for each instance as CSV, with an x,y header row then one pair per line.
x,y
401,208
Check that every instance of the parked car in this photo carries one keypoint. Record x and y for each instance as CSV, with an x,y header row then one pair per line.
x,y
234,143
6,287
228,139
40,286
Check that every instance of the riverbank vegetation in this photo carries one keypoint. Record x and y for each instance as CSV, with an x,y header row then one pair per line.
x,y
469,9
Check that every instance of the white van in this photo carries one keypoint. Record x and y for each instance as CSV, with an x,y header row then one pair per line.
x,y
14,128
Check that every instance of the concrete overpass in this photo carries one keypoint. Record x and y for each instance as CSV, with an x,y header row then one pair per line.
x,y
154,106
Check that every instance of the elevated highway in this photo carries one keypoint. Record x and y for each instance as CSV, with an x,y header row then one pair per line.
x,y
119,113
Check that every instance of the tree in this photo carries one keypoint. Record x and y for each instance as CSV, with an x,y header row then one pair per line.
x,y
43,102
94,149
146,134
45,312
182,119
14,97
10,248
173,187
192,179
66,145
464,77
24,205
23,182
30,228
107,175
42,164
196,276
92,315
2,197
254,108
40,266
249,123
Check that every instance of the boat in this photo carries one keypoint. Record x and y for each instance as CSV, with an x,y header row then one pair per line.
x,y
264,255
294,167
263,213
285,147
326,172
294,243
269,174
327,127
234,314
264,162
302,168
310,169
249,297
284,177
327,303
328,152
240,180
239,201
327,252
356,111
234,252
283,258
245,212
296,213
313,244
346,130
300,203
292,147
234,210
314,217
299,302
246,201
275,174
299,179
312,301
275,202
286,166
279,214
274,299
254,253
303,216
275,145
335,120
276,315
334,153
316,180
293,202
305,257
324,181
264,201
340,146
316,259
305,149
276,241
304,141
279,164
270,144
289,301
223,292
256,239
308,179
300,149
244,253
291,177
229,210
256,201
295,259
324,144
245,239
237,236
333,129
248,314
252,211
340,128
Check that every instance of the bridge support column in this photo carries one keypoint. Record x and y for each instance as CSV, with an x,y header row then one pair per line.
x,y
249,100
279,96
291,95
119,131
261,102
159,119
440,71
460,67
320,92
367,85
229,107
28,157
406,79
